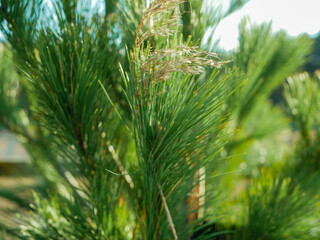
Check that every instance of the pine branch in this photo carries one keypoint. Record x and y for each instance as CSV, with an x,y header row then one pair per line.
x,y
174,116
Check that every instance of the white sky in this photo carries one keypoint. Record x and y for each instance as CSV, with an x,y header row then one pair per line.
x,y
295,16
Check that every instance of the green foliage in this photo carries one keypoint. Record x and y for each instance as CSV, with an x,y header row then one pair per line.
x,y
263,60
135,136
302,96
174,117
61,63
173,120
9,91
278,208
60,75
57,217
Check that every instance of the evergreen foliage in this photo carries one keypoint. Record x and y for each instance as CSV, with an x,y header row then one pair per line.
x,y
278,209
136,132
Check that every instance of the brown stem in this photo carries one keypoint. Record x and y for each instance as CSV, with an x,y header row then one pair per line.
x,y
174,233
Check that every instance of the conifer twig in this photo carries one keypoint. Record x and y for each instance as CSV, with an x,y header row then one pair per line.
x,y
174,232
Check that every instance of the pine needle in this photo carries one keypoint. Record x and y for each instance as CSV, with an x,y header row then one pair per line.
x,y
116,110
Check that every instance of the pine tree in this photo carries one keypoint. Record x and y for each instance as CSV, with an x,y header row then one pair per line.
x,y
135,126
